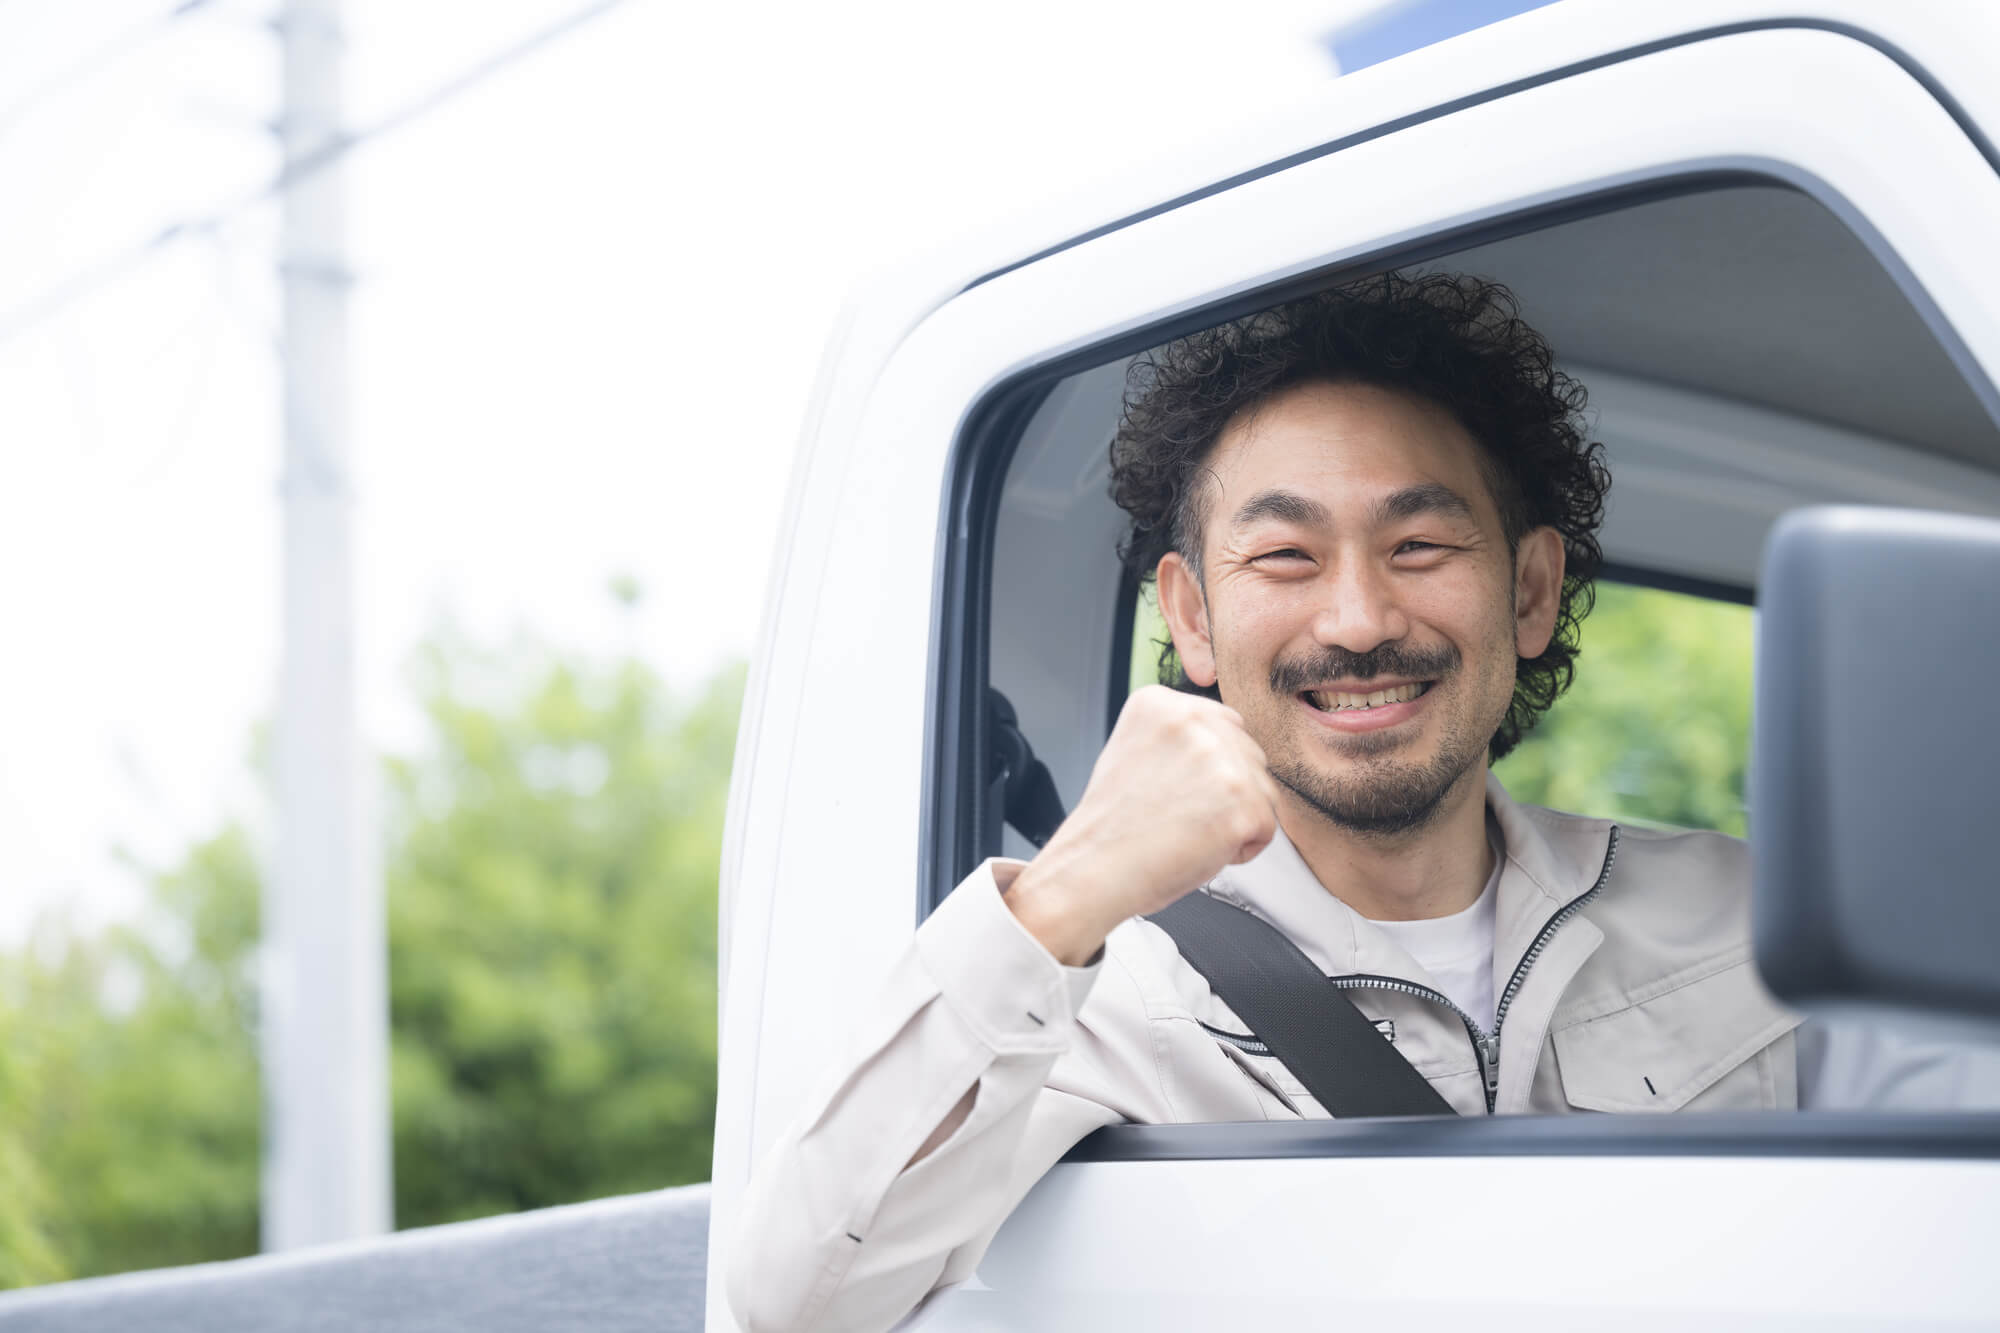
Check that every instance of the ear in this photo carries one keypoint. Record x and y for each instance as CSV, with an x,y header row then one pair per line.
x,y
1538,581
1186,610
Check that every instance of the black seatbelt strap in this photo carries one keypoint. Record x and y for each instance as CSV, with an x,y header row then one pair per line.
x,y
1313,1029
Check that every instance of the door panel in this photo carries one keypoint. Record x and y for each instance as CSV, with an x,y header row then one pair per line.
x,y
1495,1244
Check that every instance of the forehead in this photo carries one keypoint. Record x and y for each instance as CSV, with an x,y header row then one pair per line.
x,y
1345,446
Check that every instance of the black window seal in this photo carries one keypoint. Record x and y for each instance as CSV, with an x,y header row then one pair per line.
x,y
1966,1136
1688,585
953,809
1902,58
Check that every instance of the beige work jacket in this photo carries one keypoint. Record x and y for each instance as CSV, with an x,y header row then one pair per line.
x,y
1624,981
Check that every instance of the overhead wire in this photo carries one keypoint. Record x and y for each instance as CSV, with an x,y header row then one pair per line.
x,y
69,291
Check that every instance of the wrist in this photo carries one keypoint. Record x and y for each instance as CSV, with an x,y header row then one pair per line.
x,y
1057,917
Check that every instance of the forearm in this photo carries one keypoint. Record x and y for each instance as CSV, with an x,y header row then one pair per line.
x,y
855,1213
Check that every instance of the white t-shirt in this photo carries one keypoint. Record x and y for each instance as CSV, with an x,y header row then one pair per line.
x,y
1457,950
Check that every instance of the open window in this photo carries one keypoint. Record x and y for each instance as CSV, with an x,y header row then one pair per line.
x,y
1746,353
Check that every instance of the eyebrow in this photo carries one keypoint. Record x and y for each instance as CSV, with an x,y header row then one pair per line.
x,y
1285,507
1291,507
1429,498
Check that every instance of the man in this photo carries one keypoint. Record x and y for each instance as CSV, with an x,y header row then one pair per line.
x,y
1371,515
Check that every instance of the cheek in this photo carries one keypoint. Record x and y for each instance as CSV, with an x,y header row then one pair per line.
x,y
1251,628
1476,613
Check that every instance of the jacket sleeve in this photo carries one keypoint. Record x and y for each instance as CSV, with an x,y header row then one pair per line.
x,y
839,1230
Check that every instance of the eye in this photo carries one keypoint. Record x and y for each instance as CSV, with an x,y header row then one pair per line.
x,y
1418,547
1282,553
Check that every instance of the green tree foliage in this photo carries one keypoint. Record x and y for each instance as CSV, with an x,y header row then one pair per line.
x,y
1655,729
552,939
27,1252
137,1046
551,868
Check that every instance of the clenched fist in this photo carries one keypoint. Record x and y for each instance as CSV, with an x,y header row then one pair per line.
x,y
1179,792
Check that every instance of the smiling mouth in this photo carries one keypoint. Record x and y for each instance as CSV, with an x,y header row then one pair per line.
x,y
1345,701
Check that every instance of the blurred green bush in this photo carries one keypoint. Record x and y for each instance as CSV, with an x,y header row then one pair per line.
x,y
1656,727
551,862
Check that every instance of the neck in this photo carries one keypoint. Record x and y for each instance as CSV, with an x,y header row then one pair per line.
x,y
1428,872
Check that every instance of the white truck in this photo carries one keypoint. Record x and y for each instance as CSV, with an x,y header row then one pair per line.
x,y
1763,234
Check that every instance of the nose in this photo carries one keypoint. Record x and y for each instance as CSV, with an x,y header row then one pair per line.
x,y
1359,610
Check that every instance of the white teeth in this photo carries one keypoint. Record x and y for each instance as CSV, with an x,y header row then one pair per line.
x,y
1332,701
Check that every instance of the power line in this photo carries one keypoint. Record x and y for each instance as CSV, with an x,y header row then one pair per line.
x,y
68,292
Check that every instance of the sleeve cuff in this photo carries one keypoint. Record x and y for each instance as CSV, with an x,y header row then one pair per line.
x,y
995,975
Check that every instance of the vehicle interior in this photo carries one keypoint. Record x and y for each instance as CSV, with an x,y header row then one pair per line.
x,y
1747,350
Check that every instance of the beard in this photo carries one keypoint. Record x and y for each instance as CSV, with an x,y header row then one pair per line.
x,y
1382,797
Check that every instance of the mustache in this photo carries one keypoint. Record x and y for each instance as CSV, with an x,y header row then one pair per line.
x,y
1293,675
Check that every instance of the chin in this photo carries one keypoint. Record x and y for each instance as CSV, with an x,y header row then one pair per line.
x,y
1385,791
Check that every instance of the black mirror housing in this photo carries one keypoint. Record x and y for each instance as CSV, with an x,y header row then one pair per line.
x,y
1875,761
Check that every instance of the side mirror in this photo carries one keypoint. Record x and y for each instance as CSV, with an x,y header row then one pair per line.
x,y
1875,761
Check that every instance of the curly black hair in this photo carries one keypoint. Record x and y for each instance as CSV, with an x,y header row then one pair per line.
x,y
1456,341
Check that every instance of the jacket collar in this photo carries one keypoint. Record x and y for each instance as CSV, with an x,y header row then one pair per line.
x,y
1550,860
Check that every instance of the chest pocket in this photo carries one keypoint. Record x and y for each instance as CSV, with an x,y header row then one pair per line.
x,y
1255,1059
1703,1045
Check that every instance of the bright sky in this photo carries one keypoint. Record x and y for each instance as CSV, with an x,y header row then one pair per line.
x,y
592,295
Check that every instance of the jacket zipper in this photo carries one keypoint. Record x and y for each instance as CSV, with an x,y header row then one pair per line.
x,y
1242,1041
1486,1045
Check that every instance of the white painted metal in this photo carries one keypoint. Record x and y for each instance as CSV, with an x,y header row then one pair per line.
x,y
824,825
1529,1244
324,1011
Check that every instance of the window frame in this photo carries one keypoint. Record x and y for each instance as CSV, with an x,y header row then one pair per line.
x,y
953,826
954,833
953,829
954,819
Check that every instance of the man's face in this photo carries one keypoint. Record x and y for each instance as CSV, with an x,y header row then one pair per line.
x,y
1358,604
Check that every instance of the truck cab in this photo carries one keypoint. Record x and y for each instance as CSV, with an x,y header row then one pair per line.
x,y
1762,237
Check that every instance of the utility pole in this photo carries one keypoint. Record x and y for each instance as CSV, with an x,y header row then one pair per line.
x,y
324,1012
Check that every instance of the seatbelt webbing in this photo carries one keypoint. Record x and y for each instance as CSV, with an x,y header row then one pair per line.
x,y
1311,1027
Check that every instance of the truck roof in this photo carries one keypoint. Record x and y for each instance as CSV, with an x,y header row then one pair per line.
x,y
1938,41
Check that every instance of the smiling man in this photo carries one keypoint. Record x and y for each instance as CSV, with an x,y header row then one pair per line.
x,y
1371,515
1367,607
